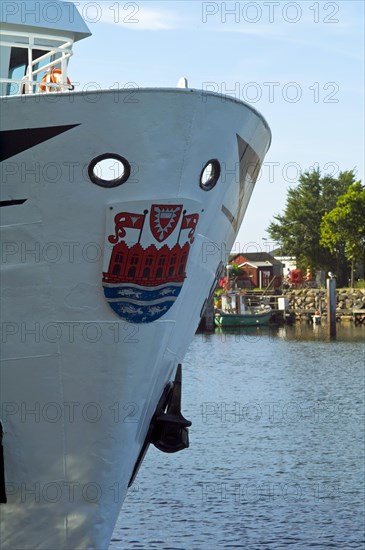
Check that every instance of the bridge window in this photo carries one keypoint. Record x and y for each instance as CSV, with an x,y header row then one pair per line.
x,y
18,67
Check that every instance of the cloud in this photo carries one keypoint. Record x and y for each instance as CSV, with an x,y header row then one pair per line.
x,y
140,18
130,15
265,31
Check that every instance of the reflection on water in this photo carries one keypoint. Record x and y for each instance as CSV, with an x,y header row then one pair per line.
x,y
299,331
276,455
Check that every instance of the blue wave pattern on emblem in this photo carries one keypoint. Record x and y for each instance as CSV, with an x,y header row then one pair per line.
x,y
140,304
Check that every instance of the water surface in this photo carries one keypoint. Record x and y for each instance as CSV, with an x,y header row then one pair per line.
x,y
276,457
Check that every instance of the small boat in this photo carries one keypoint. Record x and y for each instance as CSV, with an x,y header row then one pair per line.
x,y
236,312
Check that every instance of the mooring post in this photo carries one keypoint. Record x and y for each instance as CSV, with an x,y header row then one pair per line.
x,y
331,307
209,316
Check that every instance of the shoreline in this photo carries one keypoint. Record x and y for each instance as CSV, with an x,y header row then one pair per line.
x,y
303,303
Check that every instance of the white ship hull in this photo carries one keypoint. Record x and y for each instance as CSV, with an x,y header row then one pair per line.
x,y
79,383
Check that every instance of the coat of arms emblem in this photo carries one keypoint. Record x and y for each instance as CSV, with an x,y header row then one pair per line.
x,y
146,258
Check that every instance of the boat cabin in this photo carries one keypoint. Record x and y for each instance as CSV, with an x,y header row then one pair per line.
x,y
36,40
233,303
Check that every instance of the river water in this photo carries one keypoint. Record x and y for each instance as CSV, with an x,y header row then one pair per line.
x,y
276,457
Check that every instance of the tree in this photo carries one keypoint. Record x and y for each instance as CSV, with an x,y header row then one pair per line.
x,y
298,229
343,228
236,270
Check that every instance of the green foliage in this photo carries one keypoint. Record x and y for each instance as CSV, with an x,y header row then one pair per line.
x,y
298,229
235,270
343,228
360,283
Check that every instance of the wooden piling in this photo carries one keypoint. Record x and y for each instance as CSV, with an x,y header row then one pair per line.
x,y
209,316
331,308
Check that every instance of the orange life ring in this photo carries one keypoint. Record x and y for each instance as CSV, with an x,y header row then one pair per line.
x,y
53,77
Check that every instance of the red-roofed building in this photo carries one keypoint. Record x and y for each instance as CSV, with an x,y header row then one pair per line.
x,y
259,270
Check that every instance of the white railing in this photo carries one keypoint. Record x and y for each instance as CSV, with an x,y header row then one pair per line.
x,y
58,56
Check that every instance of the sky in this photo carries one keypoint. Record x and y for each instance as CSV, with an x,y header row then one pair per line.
x,y
301,64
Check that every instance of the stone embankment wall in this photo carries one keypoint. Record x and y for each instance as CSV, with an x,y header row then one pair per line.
x,y
313,298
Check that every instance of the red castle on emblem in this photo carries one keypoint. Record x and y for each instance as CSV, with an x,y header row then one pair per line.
x,y
151,266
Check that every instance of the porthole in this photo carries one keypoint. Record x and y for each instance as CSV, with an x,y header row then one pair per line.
x,y
109,170
210,174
